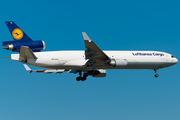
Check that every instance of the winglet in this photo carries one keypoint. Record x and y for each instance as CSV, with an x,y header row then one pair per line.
x,y
86,37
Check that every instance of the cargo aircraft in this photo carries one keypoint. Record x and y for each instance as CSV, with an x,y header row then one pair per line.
x,y
91,62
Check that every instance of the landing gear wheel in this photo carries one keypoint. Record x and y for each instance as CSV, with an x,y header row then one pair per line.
x,y
96,72
85,74
83,78
78,78
156,75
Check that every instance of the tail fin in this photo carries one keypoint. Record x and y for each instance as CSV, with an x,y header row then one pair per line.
x,y
17,33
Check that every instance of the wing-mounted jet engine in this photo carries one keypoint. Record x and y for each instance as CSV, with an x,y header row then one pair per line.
x,y
21,39
118,62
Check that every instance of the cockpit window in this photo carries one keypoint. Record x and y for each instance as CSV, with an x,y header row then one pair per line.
x,y
172,56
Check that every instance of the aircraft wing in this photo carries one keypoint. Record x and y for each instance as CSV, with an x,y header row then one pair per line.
x,y
95,55
45,70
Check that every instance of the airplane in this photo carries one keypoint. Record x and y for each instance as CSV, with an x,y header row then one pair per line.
x,y
91,62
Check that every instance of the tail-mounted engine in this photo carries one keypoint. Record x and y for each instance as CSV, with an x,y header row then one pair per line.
x,y
15,46
21,39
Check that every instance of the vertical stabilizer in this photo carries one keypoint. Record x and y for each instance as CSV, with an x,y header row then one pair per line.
x,y
17,33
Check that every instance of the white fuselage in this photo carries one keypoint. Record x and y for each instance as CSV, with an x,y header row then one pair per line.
x,y
76,59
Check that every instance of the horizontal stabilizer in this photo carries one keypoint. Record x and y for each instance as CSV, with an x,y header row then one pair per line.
x,y
7,57
26,52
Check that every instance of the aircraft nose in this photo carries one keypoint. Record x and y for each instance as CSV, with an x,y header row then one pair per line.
x,y
176,60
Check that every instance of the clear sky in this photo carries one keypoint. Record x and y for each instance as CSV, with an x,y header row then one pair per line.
x,y
113,25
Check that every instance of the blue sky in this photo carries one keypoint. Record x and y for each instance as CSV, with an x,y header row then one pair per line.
x,y
113,25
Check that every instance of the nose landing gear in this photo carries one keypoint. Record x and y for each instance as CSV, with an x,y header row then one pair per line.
x,y
156,75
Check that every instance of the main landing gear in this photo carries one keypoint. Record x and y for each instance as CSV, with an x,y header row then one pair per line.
x,y
82,78
156,75
86,74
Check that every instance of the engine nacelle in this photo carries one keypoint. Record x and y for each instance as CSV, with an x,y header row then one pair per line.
x,y
15,46
98,73
118,62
